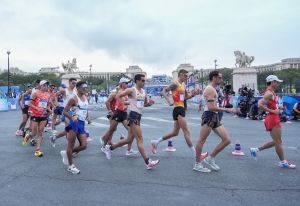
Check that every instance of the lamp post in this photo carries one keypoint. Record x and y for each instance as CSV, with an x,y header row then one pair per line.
x,y
8,89
215,64
91,77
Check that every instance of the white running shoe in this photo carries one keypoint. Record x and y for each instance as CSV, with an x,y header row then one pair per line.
x,y
153,146
200,168
286,164
103,150
73,169
131,152
64,157
151,164
108,152
211,162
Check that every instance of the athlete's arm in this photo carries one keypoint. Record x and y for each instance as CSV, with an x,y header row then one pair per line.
x,y
127,92
71,103
109,100
20,100
209,97
166,91
189,96
148,102
264,101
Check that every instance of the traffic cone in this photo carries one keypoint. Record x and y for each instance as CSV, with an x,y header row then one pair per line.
x,y
170,147
237,150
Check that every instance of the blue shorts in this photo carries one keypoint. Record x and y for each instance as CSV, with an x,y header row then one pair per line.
x,y
77,127
58,110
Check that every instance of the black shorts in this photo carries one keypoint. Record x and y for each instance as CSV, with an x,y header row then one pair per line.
x,y
25,110
58,110
178,111
38,119
119,116
211,119
134,118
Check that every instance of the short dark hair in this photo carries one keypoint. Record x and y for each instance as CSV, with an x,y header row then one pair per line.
x,y
72,79
37,81
78,84
213,74
182,71
138,77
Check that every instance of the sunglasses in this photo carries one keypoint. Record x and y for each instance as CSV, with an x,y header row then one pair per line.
x,y
73,83
143,80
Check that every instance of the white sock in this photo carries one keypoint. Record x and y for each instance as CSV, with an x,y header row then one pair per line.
x,y
192,148
159,140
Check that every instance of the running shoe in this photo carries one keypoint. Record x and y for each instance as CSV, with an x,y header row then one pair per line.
x,y
103,149
200,168
203,155
151,164
131,152
19,133
38,153
25,140
253,152
32,142
211,162
64,157
108,152
73,169
286,164
153,146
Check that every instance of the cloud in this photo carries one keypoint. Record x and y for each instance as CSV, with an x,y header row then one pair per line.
x,y
156,34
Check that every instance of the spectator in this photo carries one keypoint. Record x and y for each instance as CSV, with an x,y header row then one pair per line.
x,y
296,111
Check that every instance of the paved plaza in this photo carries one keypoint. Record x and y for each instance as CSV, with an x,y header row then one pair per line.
x,y
28,180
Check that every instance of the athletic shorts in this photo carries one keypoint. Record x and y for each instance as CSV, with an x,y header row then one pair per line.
x,y
119,116
178,111
211,119
272,121
25,110
58,110
134,118
38,119
77,127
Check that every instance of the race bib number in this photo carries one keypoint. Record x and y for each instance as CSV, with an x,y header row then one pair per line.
x,y
82,114
43,104
181,97
60,104
26,102
140,103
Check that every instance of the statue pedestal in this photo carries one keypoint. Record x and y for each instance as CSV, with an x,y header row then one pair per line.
x,y
65,78
244,77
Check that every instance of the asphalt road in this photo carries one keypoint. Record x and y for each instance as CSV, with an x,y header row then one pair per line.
x,y
28,180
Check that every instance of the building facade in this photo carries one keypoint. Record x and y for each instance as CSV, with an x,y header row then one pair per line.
x,y
288,63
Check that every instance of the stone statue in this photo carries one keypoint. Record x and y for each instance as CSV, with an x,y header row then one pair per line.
x,y
70,67
242,60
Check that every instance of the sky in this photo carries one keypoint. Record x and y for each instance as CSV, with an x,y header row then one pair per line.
x,y
157,35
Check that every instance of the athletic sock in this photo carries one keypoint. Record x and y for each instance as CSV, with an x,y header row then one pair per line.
x,y
192,148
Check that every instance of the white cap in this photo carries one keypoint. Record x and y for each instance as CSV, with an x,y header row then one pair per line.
x,y
271,78
42,82
124,80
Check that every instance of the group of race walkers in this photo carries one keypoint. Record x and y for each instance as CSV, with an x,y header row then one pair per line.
x,y
125,105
